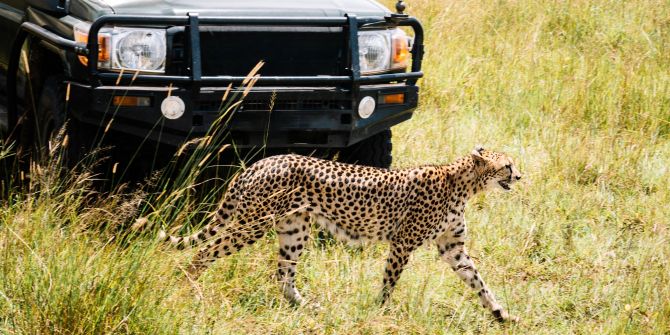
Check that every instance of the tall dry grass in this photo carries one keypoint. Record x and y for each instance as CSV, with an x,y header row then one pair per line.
x,y
577,91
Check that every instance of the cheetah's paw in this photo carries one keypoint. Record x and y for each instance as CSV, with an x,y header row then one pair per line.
x,y
503,316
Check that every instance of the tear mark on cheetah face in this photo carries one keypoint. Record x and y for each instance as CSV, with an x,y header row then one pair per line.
x,y
495,170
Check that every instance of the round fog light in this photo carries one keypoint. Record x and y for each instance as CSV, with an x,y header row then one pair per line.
x,y
173,107
366,107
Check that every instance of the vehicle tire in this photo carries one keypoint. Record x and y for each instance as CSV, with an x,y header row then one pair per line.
x,y
45,118
374,151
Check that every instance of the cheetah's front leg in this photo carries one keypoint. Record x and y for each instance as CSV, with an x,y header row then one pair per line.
x,y
452,251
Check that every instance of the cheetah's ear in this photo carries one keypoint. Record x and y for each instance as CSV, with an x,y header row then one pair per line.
x,y
477,155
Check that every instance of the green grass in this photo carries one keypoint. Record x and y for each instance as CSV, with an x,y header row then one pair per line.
x,y
578,92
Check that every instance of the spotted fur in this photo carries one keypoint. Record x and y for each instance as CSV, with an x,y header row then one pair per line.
x,y
406,208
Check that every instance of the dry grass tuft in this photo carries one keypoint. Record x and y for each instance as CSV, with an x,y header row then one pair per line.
x,y
578,92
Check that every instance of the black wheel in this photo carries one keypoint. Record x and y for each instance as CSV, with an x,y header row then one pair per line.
x,y
50,114
374,151
45,118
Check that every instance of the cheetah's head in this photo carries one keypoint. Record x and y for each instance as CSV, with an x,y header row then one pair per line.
x,y
495,170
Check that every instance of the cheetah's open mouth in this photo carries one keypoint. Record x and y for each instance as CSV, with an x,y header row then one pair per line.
x,y
504,185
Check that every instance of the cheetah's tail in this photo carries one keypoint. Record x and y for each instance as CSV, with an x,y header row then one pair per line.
x,y
181,242
202,235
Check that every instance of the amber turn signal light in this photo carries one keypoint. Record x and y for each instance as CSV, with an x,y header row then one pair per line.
x,y
130,101
401,51
398,98
103,46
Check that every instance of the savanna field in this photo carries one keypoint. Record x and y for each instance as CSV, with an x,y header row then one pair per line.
x,y
578,92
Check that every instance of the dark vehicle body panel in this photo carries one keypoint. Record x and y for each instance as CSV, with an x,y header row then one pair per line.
x,y
306,96
92,9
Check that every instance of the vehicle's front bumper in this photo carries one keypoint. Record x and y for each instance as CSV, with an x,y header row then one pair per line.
x,y
279,117
298,126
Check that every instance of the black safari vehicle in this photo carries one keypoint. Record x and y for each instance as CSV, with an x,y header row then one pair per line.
x,y
336,75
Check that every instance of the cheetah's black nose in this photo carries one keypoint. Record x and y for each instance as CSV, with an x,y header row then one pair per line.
x,y
517,177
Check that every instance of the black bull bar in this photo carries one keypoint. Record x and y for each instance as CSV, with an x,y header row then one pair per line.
x,y
192,21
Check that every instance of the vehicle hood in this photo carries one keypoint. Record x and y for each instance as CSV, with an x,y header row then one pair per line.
x,y
92,9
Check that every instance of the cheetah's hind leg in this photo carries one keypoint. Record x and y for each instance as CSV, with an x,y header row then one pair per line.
x,y
241,232
293,233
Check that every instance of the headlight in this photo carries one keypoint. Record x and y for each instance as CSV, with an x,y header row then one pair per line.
x,y
383,50
374,48
127,48
138,49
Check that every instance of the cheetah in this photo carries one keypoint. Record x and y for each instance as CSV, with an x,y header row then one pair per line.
x,y
407,208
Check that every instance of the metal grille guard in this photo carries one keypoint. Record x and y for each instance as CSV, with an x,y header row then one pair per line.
x,y
192,21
